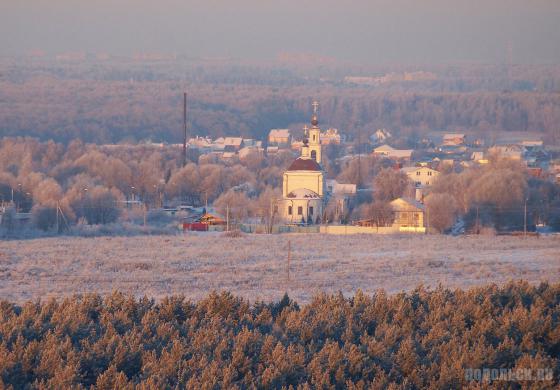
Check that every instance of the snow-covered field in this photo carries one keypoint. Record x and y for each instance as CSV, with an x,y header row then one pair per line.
x,y
256,266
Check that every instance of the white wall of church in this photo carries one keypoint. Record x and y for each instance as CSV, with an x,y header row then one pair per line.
x,y
302,210
311,180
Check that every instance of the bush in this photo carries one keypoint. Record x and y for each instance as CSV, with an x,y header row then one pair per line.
x,y
44,217
233,234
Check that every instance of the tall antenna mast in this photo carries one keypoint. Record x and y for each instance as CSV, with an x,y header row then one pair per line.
x,y
184,129
359,147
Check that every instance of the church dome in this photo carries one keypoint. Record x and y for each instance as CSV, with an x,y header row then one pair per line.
x,y
304,164
303,193
314,120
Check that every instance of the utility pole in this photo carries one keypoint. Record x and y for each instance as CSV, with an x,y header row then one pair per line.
x,y
477,228
57,209
525,220
359,156
227,218
145,208
289,257
184,129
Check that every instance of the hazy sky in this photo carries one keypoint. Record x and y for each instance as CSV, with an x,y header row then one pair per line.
x,y
430,31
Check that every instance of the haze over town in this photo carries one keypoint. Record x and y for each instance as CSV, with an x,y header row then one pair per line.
x,y
379,31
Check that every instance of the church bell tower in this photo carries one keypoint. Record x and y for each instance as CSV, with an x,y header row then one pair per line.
x,y
315,135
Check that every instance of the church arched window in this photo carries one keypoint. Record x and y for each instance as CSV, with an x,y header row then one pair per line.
x,y
314,155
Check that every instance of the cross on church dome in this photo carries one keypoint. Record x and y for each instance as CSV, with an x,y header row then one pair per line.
x,y
315,117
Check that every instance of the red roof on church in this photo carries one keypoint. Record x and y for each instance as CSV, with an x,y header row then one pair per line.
x,y
304,164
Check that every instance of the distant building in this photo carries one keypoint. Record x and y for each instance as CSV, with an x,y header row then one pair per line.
x,y
453,139
201,144
390,152
233,144
335,188
279,137
218,145
532,143
248,151
421,176
514,152
331,136
408,214
251,142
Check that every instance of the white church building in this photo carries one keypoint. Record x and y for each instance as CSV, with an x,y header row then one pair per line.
x,y
304,189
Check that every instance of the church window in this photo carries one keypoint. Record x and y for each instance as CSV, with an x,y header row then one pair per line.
x,y
300,210
313,137
311,210
290,210
417,173
314,155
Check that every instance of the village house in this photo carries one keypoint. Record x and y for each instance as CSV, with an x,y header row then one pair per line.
x,y
233,144
408,215
421,176
392,153
331,136
251,142
511,151
532,144
453,139
279,137
218,144
201,144
336,188
248,151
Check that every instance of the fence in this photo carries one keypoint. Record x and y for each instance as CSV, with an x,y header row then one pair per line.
x,y
351,229
260,228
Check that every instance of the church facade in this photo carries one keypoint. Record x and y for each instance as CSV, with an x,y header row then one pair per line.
x,y
303,187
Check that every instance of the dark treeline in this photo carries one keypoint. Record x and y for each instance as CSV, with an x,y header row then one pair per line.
x,y
422,339
112,103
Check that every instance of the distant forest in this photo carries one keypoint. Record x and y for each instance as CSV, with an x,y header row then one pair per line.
x,y
417,340
117,101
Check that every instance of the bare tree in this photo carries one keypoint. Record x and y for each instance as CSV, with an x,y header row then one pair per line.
x,y
236,203
441,211
390,184
100,205
380,213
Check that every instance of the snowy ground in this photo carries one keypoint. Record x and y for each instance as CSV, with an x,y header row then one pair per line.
x,y
255,266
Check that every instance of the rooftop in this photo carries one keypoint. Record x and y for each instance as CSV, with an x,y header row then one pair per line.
x,y
304,164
